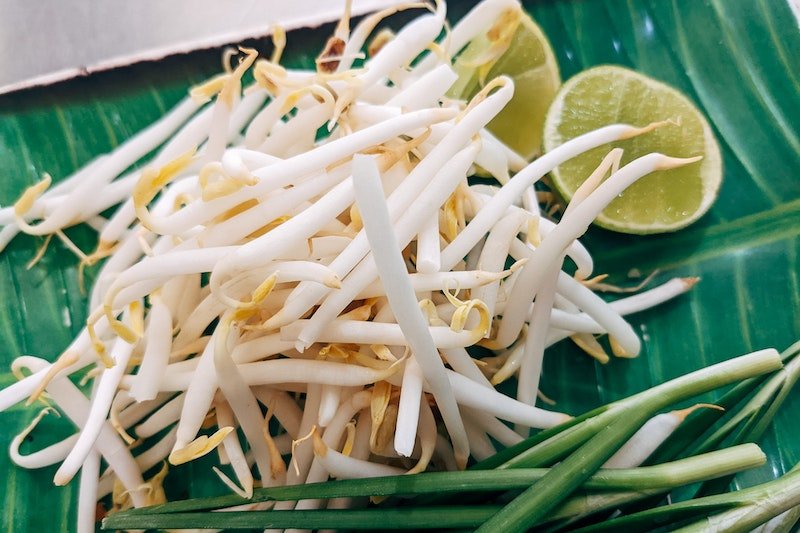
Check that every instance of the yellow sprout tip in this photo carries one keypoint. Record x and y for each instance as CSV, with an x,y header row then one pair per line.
x,y
690,282
31,194
320,449
199,447
634,131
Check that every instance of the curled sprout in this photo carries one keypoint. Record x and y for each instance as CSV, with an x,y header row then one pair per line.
x,y
152,181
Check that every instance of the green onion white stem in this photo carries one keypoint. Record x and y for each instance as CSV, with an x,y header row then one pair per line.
x,y
647,439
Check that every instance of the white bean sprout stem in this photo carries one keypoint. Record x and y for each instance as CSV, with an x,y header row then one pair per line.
x,y
310,250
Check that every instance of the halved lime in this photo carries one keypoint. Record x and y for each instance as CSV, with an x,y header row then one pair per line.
x,y
663,201
516,47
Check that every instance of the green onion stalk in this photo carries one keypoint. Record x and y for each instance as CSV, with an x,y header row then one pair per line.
x,y
644,479
582,445
767,393
667,475
735,512
595,440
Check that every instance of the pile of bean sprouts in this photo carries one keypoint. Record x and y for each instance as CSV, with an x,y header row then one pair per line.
x,y
262,288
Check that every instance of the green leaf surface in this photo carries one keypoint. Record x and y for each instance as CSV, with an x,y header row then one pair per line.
x,y
739,60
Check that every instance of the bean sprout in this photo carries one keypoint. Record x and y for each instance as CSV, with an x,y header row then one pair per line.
x,y
259,277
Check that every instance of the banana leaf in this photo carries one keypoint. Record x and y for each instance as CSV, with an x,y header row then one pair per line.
x,y
739,60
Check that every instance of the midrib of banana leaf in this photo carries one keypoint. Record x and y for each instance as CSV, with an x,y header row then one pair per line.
x,y
739,60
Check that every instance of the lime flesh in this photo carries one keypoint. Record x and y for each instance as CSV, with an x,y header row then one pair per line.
x,y
530,63
662,201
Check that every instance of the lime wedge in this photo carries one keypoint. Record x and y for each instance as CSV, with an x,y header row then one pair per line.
x,y
516,47
663,201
